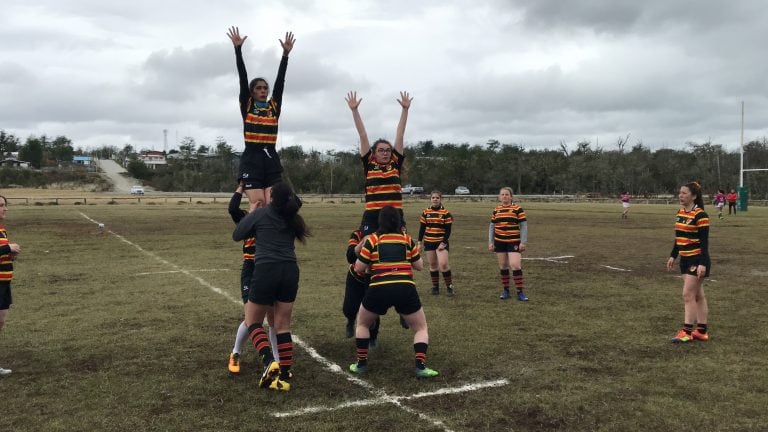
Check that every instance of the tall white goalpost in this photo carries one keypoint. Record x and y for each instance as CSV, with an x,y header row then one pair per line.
x,y
743,194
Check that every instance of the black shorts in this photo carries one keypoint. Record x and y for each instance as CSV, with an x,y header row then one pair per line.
x,y
688,265
370,222
6,300
503,247
403,296
246,274
353,294
260,167
275,281
431,246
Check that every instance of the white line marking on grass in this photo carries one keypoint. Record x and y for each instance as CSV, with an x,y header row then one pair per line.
x,y
615,268
555,259
381,400
170,264
329,365
179,271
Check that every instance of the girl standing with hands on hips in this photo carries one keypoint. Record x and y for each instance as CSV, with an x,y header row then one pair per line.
x,y
692,245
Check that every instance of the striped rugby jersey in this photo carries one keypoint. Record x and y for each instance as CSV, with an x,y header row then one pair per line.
x,y
389,257
691,232
382,182
6,261
506,221
435,224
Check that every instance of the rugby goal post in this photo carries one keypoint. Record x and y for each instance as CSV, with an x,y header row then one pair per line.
x,y
742,203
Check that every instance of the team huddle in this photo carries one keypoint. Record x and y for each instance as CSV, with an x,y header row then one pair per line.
x,y
381,255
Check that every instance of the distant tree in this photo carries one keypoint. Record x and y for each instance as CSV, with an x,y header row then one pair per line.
x,y
139,170
8,143
32,152
187,147
61,149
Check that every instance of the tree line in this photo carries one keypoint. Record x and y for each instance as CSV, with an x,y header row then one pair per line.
x,y
583,169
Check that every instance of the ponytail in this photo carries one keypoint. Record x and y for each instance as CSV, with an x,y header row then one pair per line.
x,y
695,188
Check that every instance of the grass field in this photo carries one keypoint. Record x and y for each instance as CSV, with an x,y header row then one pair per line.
x,y
130,329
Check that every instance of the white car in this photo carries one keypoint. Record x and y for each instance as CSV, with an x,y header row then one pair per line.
x,y
137,190
461,190
411,189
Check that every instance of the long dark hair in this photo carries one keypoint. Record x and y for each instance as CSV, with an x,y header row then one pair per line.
x,y
287,205
390,220
695,188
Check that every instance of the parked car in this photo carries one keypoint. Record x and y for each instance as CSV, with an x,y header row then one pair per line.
x,y
137,190
461,190
411,189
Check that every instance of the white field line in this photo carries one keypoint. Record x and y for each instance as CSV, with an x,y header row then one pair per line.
x,y
179,271
329,365
170,264
378,401
556,259
615,268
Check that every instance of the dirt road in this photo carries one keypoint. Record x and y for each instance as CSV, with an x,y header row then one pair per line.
x,y
121,182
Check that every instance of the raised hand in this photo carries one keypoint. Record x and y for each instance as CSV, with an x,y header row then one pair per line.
x,y
288,44
234,36
405,100
352,100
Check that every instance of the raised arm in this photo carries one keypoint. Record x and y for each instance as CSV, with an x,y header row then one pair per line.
x,y
354,103
405,103
277,90
234,35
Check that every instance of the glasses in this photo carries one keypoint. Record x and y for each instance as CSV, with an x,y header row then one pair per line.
x,y
384,150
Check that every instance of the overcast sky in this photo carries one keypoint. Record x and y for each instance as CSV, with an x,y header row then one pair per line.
x,y
535,73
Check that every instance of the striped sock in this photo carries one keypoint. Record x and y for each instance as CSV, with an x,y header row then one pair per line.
x,y
420,348
362,350
517,277
448,278
258,336
435,276
505,279
285,349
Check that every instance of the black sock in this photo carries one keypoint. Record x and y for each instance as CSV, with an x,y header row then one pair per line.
x,y
702,328
688,328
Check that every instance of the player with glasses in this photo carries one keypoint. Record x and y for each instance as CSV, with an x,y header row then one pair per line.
x,y
382,165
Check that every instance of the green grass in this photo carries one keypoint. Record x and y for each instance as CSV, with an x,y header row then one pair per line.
x,y
96,346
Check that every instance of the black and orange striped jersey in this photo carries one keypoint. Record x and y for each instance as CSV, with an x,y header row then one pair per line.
x,y
237,214
354,239
435,225
382,182
691,233
6,259
506,221
260,120
249,249
389,257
